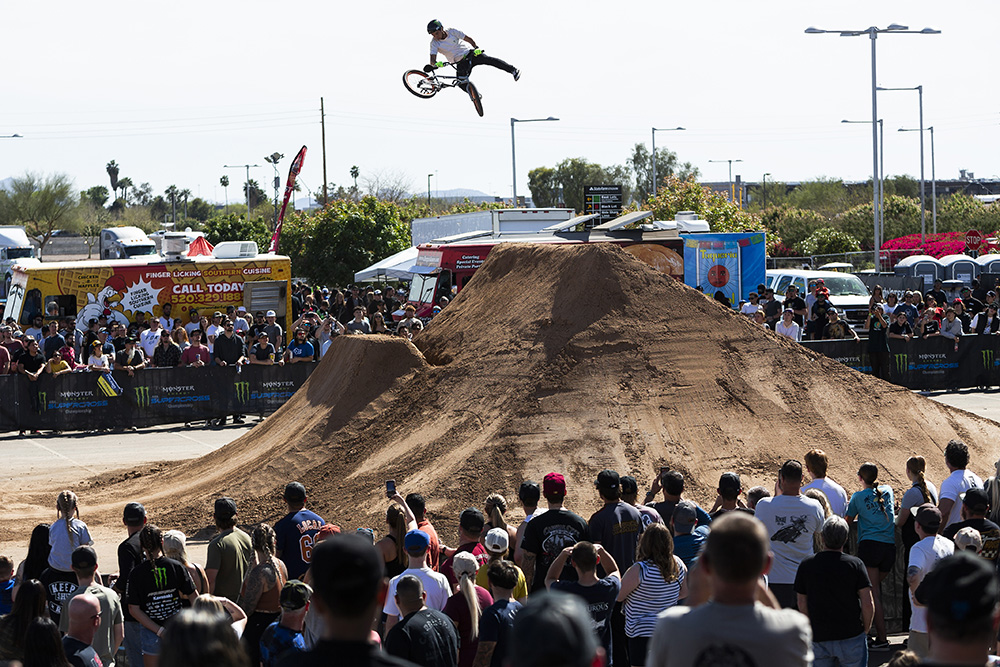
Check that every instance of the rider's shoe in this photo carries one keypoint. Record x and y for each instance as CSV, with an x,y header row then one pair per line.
x,y
517,74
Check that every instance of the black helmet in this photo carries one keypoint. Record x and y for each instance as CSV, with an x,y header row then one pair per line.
x,y
434,26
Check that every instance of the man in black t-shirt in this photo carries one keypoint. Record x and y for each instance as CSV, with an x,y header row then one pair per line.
x,y
549,533
424,636
599,594
834,591
130,555
32,361
263,352
900,327
84,619
975,506
938,293
131,358
796,303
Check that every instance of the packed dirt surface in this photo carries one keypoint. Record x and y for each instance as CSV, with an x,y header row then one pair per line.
x,y
564,358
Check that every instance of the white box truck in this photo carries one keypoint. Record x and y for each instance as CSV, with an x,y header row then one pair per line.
x,y
14,246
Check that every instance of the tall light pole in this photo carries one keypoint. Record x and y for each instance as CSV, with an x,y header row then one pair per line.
x,y
732,193
923,208
272,160
429,193
933,176
513,159
873,34
763,187
880,211
247,186
655,130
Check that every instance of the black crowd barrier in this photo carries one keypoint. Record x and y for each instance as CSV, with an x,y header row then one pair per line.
x,y
932,363
75,402
897,285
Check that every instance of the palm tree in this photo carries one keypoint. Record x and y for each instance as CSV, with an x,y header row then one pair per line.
x,y
185,194
172,193
112,168
355,172
125,184
224,182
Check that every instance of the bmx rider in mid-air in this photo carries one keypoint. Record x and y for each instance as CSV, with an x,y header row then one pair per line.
x,y
449,44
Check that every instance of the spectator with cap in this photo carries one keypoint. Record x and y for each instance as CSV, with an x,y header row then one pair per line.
x,y
672,483
274,330
975,507
923,556
436,587
360,324
300,349
470,528
194,321
84,613
817,463
213,330
959,596
167,354
617,525
796,304
497,542
956,458
130,359
229,552
733,628
728,500
498,619
834,591
836,328
108,636
284,636
263,353
549,533
295,532
424,636
791,520
689,537
908,308
149,338
348,578
465,608
968,539
240,322
600,594
196,355
630,495
986,322
129,555
418,506
554,629
528,494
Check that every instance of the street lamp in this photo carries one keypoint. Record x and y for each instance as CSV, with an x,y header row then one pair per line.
x,y
429,193
763,187
513,160
247,186
655,130
732,192
272,160
873,34
880,213
923,209
933,177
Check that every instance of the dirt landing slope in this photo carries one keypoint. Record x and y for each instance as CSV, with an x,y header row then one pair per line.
x,y
571,358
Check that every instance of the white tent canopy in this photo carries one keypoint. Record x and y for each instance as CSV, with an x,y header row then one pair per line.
x,y
394,267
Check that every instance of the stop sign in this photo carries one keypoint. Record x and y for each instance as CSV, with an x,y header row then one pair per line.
x,y
973,239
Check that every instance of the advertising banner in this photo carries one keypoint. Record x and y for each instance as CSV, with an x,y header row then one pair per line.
x,y
730,264
80,401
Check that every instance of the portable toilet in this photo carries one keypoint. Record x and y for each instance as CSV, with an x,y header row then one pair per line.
x,y
960,267
988,263
924,267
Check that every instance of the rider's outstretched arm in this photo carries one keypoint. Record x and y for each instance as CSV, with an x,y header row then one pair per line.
x,y
470,41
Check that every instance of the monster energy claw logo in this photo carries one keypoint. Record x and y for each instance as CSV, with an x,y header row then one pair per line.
x,y
142,396
242,391
902,362
43,401
988,358
160,577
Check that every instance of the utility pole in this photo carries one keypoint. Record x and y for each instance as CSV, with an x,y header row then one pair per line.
x,y
246,187
322,125
272,160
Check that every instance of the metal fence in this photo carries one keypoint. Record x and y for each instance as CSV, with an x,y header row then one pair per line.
x,y
859,261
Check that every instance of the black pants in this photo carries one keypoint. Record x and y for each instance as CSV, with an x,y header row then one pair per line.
x,y
466,64
879,358
256,624
619,640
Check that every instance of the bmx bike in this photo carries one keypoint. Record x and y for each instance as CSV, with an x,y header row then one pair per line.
x,y
426,85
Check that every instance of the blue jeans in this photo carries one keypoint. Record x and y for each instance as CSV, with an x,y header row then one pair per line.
x,y
132,643
841,653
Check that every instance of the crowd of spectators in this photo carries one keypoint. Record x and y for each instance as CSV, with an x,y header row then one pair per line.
x,y
761,578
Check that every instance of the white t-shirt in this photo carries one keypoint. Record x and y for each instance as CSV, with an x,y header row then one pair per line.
x,y
791,522
210,335
450,47
435,585
240,324
104,361
749,308
923,556
149,339
793,330
834,493
191,326
957,483
168,323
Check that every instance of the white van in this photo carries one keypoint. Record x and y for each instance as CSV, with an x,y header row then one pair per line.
x,y
847,293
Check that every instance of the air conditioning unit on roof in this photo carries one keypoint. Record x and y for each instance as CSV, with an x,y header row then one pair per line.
x,y
235,250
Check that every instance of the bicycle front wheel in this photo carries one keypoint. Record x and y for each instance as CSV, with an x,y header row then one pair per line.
x,y
420,83
477,101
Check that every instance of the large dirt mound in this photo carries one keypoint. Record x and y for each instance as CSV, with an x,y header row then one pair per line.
x,y
568,358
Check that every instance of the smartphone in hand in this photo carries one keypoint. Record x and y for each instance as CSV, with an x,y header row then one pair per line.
x,y
390,488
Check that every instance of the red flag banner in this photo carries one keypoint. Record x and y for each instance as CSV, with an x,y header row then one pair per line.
x,y
293,172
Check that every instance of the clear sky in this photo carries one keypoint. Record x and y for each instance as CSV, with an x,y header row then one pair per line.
x,y
174,91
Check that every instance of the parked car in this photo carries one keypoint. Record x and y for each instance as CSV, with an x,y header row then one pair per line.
x,y
847,292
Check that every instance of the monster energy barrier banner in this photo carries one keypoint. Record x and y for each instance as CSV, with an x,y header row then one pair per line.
x,y
933,363
74,402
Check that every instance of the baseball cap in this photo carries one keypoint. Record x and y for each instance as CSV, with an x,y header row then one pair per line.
x,y
831,310
529,491
294,491
788,310
241,309
608,480
991,293
730,481
326,530
416,540
134,513
927,515
295,594
969,539
497,540
629,485
472,521
976,500
270,313
225,508
216,314
84,557
685,514
960,588
554,484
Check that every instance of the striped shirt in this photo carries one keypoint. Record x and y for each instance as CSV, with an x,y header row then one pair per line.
x,y
651,597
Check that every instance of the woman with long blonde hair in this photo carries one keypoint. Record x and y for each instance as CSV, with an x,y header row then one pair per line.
x,y
466,606
400,520
66,534
260,596
495,511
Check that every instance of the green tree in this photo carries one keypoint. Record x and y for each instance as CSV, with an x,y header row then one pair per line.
x,y
667,165
232,227
793,225
573,174
904,186
544,187
125,183
40,204
902,217
142,195
827,196
97,195
112,169
827,241
255,195
200,209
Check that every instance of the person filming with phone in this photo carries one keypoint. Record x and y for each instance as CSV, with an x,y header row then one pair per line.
x,y
671,482
400,519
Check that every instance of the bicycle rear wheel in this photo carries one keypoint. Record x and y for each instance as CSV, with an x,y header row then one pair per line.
x,y
420,84
477,101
